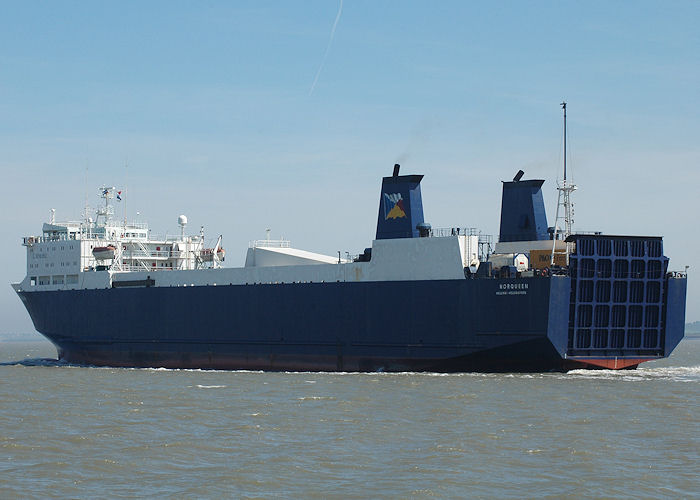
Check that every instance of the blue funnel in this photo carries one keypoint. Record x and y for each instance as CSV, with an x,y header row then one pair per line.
x,y
523,217
400,206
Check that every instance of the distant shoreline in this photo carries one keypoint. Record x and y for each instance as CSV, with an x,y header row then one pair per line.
x,y
692,328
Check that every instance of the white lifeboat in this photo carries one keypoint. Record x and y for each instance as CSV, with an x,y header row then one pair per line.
x,y
104,253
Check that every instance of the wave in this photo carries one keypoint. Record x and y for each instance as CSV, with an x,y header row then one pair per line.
x,y
675,373
37,362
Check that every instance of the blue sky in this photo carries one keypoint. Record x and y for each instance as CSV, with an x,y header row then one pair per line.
x,y
210,105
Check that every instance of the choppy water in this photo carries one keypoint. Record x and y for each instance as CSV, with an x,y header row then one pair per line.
x,y
80,432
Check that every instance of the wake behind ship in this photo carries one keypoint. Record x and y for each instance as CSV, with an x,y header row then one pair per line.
x,y
418,299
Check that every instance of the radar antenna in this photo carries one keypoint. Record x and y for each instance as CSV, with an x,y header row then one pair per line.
x,y
564,201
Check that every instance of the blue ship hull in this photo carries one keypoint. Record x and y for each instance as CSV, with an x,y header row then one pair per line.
x,y
448,325
492,325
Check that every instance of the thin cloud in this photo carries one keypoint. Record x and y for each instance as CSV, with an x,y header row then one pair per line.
x,y
328,47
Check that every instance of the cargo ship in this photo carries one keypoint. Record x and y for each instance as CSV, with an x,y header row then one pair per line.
x,y
419,299
541,298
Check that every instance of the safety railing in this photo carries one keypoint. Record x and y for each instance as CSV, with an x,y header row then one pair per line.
x,y
442,232
269,243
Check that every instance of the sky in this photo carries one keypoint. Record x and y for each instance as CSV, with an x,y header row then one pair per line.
x,y
285,115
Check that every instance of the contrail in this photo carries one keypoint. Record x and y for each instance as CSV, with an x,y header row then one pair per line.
x,y
328,47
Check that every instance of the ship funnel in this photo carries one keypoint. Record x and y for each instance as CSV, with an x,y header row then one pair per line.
x,y
523,217
400,206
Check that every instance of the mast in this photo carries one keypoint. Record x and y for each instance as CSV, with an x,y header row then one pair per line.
x,y
87,209
564,201
126,188
563,105
108,210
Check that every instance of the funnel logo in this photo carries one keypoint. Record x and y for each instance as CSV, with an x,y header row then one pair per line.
x,y
393,206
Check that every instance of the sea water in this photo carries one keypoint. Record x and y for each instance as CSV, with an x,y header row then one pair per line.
x,y
80,432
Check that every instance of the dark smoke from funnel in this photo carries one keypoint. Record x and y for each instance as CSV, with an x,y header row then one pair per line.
x,y
419,136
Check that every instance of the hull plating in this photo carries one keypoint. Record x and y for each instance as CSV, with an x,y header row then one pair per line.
x,y
445,326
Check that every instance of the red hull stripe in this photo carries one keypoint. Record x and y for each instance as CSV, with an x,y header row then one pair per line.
x,y
612,363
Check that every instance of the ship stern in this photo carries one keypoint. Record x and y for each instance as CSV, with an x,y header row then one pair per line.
x,y
625,306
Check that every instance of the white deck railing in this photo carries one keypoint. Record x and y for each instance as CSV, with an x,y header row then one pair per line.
x,y
269,243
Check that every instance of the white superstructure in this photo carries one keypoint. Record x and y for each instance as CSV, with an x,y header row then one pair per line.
x,y
65,251
105,252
